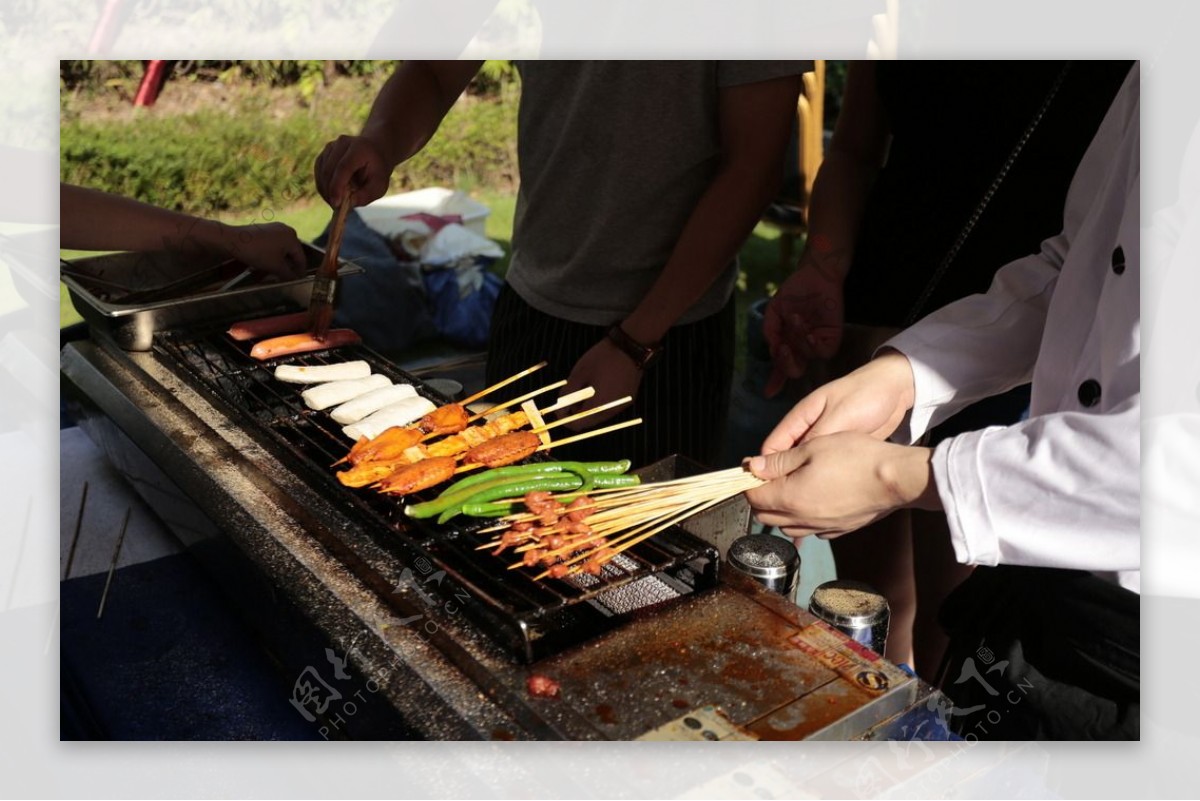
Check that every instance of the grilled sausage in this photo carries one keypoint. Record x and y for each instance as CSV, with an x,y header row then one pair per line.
x,y
269,326
303,343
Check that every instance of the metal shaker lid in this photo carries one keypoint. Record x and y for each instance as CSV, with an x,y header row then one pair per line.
x,y
764,556
848,603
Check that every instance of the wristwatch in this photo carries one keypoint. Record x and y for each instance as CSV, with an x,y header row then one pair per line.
x,y
642,355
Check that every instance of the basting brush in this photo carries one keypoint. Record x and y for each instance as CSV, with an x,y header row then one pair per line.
x,y
320,307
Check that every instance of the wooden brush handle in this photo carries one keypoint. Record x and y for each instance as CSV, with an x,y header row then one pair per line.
x,y
329,266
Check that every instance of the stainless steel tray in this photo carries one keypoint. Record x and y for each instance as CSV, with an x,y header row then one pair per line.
x,y
99,287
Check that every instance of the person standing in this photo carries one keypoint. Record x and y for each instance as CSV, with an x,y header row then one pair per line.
x,y
1048,507
639,183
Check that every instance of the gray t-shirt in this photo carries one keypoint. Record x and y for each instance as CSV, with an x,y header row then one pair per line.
x,y
614,156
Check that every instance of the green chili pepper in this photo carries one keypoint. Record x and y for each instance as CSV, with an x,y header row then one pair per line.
x,y
513,489
505,506
513,471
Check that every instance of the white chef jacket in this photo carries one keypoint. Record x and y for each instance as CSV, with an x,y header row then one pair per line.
x,y
1062,488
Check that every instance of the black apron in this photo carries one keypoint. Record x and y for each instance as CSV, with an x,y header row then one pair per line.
x,y
1041,653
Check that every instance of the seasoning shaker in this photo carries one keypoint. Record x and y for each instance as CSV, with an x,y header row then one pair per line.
x,y
855,609
772,561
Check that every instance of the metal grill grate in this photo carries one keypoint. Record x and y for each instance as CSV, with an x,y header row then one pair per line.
x,y
311,441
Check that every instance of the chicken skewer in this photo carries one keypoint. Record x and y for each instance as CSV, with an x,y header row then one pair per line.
x,y
400,446
433,471
453,417
393,442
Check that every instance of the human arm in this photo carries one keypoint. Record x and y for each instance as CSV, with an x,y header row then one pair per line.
x,y
95,220
804,319
406,113
1059,490
754,122
839,483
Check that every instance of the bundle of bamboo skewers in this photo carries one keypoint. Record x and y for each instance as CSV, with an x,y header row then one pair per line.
x,y
587,533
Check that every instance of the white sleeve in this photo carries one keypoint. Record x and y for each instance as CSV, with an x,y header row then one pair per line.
x,y
984,345
981,345
1058,490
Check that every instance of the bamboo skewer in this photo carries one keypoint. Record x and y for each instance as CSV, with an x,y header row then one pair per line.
x,y
617,496
585,435
624,519
570,399
585,413
499,407
589,434
500,384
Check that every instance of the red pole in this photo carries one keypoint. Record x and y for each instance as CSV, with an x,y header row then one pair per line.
x,y
152,81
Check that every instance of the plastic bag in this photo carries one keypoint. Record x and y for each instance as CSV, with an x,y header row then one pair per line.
x,y
462,299
387,303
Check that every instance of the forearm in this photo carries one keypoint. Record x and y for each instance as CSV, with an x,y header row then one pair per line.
x,y
841,186
94,220
839,196
412,103
908,476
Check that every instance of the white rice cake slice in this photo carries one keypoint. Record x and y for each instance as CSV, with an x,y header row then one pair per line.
x,y
321,373
354,410
397,414
322,396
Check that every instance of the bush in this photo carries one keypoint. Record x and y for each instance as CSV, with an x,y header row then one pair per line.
x,y
215,161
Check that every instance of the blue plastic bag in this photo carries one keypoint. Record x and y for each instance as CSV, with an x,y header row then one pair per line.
x,y
462,304
387,304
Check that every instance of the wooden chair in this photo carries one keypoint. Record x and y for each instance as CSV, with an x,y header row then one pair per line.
x,y
810,111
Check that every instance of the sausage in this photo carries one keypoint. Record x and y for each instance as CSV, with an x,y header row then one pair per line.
x,y
397,414
321,373
370,402
269,326
322,396
303,343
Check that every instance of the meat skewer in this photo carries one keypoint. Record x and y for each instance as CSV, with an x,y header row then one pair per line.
x,y
504,449
391,456
453,417
391,444
419,475
410,478
583,536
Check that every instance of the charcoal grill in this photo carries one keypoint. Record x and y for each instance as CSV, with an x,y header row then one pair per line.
x,y
530,618
450,636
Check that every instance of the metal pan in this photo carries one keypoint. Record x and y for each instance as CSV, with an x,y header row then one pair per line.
x,y
131,296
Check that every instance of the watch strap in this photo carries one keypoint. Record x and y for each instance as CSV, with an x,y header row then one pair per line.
x,y
641,355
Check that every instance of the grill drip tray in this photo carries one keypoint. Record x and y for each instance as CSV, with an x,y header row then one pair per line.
x,y
529,619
